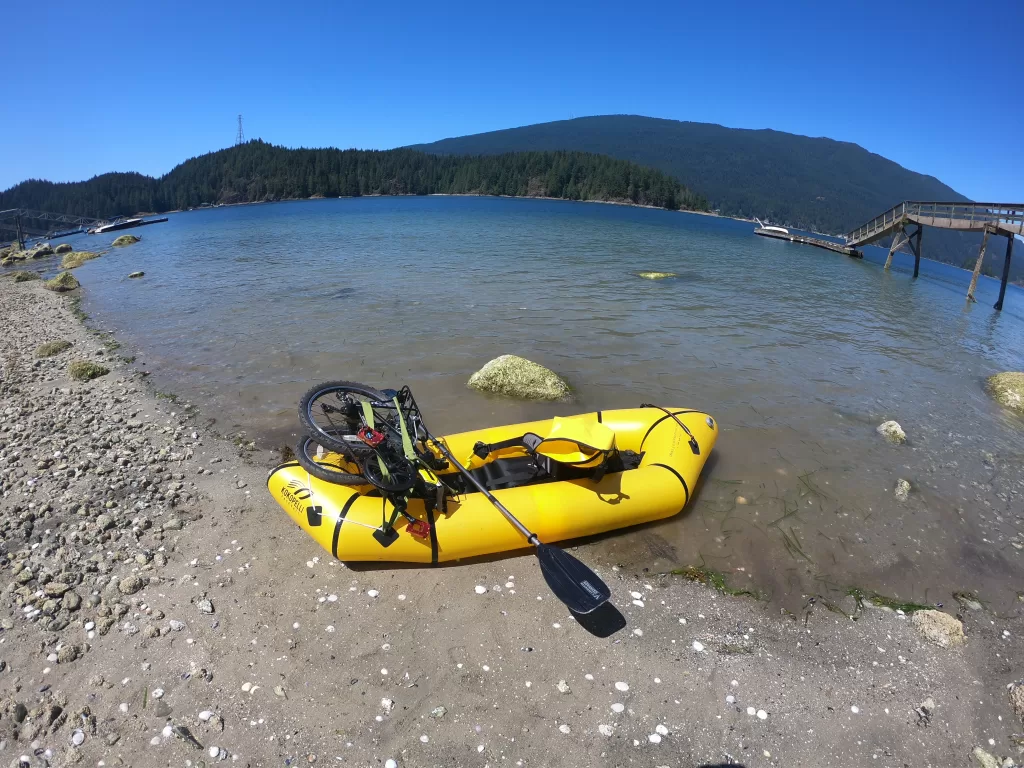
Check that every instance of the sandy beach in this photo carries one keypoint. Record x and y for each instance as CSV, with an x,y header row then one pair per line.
x,y
159,609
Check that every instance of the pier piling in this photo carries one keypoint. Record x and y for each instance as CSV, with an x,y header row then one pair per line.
x,y
965,216
977,267
1006,273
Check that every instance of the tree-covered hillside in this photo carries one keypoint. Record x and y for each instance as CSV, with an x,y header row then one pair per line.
x,y
258,171
815,184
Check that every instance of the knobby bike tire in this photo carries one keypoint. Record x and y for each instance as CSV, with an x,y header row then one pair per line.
x,y
326,471
315,430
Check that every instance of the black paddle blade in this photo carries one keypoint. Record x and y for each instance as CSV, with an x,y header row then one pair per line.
x,y
572,582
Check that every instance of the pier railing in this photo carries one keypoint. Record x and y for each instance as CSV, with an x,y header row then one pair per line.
x,y
1004,218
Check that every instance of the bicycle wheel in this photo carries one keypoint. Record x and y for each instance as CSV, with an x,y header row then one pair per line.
x,y
327,465
399,478
332,413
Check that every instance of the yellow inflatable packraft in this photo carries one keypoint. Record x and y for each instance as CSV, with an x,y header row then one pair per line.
x,y
342,519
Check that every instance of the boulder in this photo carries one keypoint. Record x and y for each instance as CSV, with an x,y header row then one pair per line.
x,y
518,377
86,370
137,274
939,628
656,275
39,251
77,259
1008,389
63,248
126,240
63,282
892,431
24,277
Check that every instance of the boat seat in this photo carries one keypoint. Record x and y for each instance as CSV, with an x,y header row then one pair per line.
x,y
527,470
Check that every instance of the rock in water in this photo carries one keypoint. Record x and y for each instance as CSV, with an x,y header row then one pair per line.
x,y
1017,700
39,251
63,248
893,432
86,370
63,282
126,240
137,274
77,259
656,275
902,489
1008,389
939,628
518,377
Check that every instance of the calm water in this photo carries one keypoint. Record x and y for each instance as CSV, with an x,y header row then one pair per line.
x,y
800,353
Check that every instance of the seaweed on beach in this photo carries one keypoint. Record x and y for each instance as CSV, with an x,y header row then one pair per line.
x,y
884,601
713,579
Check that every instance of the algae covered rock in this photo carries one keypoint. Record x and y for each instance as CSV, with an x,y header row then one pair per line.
x,y
86,370
127,240
893,432
656,275
939,628
51,348
63,282
77,259
518,377
1008,389
137,274
986,760
24,277
63,248
902,490
39,251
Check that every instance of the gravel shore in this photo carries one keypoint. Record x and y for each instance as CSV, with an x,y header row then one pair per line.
x,y
159,609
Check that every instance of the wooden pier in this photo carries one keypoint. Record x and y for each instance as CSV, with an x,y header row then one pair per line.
x,y
815,241
1005,219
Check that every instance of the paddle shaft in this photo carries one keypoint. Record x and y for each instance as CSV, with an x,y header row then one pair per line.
x,y
530,535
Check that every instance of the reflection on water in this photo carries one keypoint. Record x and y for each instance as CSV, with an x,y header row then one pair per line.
x,y
798,352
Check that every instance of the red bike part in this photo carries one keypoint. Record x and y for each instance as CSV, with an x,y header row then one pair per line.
x,y
371,437
420,528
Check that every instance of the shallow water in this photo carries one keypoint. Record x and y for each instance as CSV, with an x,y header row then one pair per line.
x,y
798,352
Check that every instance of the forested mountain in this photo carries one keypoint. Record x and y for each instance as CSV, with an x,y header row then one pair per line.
x,y
817,184
810,183
259,171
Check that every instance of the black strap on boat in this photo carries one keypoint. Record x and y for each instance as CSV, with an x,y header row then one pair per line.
x,y
694,445
527,442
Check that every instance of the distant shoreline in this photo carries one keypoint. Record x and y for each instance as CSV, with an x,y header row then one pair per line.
x,y
456,194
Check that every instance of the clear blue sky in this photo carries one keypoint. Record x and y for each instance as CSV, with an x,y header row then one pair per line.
x,y
100,86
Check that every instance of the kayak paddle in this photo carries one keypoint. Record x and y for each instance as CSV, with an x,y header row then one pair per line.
x,y
573,583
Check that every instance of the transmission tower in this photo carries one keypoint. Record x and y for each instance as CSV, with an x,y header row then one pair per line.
x,y
240,138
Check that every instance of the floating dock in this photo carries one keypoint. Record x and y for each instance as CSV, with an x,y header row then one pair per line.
x,y
817,242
